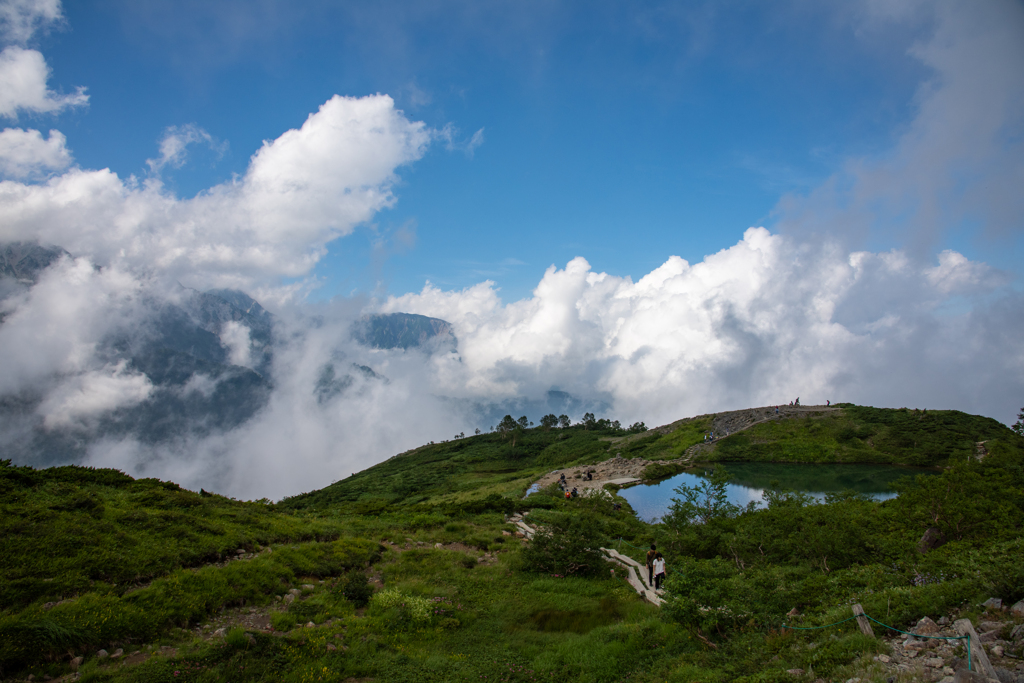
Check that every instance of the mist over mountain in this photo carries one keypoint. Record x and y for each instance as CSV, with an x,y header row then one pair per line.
x,y
177,378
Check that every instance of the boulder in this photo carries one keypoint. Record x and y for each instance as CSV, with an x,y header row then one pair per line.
x,y
932,539
1017,633
989,636
943,621
116,653
76,662
993,603
934,662
102,654
926,627
1018,609
989,625
220,633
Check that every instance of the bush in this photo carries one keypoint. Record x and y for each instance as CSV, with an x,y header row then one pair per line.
x,y
355,587
567,546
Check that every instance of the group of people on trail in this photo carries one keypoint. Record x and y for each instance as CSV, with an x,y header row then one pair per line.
x,y
564,485
655,567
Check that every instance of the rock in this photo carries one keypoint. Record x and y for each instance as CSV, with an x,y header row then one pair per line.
x,y
932,539
990,636
76,662
1018,632
310,624
278,598
506,533
220,633
852,680
308,586
117,653
1006,676
965,676
884,659
438,545
288,599
910,654
331,647
993,603
944,621
934,662
990,625
926,627
795,672
793,613
948,670
294,591
998,650
102,654
1018,609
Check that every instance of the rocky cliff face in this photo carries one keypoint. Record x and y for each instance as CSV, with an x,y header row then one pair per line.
x,y
405,331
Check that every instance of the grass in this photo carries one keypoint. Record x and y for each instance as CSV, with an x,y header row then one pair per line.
x,y
860,434
136,564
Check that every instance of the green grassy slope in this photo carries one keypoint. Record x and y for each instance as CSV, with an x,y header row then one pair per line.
x,y
137,564
868,435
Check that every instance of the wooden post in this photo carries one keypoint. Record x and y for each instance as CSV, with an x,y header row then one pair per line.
x,y
979,660
862,621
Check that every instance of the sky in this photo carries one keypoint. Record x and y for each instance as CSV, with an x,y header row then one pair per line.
x,y
669,207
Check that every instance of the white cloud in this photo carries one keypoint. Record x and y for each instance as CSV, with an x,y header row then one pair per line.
x,y
308,187
762,322
27,154
23,76
20,19
175,142
235,338
93,393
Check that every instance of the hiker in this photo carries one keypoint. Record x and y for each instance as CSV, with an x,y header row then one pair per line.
x,y
828,403
651,555
659,571
590,475
797,401
568,495
561,478
776,410
575,492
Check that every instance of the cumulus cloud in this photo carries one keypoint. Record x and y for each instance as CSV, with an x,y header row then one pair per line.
x,y
304,189
23,77
961,157
175,142
27,154
20,19
761,322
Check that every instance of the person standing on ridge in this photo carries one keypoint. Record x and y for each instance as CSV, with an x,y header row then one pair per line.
x,y
651,554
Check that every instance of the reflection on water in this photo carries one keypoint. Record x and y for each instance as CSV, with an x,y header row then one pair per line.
x,y
748,480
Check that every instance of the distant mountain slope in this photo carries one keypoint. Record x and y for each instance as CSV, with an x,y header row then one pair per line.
x,y
477,466
405,331
25,260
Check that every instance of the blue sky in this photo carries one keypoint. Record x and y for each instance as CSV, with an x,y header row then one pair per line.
x,y
620,132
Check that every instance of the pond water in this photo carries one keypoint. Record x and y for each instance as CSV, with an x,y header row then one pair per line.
x,y
748,480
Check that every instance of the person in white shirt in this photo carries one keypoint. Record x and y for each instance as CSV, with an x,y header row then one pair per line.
x,y
659,571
